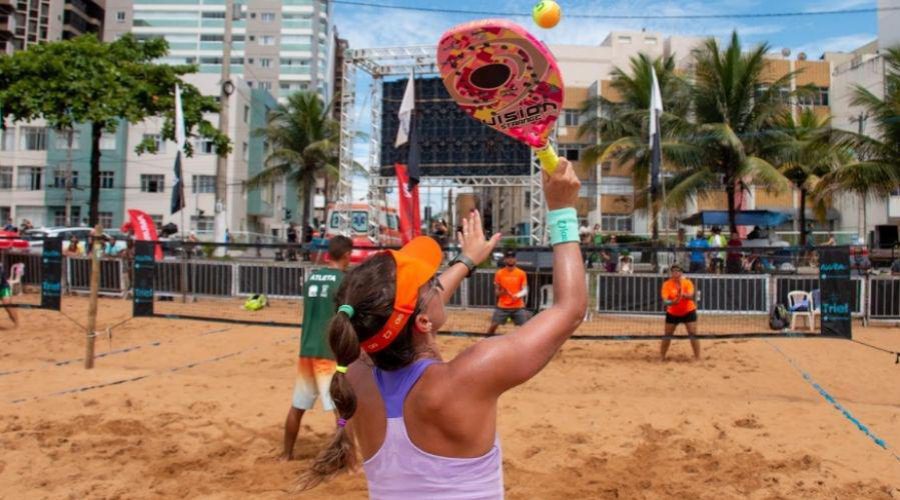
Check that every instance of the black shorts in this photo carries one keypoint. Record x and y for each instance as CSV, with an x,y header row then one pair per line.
x,y
690,317
518,316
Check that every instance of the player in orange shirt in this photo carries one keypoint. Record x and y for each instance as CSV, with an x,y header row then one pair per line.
x,y
511,287
678,296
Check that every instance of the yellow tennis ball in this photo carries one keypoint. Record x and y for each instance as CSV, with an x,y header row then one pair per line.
x,y
546,14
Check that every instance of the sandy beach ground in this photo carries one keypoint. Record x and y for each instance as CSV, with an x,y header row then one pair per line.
x,y
198,411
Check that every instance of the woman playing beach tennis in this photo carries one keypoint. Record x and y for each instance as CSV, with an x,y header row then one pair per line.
x,y
426,427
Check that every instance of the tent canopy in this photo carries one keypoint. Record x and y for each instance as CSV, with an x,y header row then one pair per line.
x,y
761,218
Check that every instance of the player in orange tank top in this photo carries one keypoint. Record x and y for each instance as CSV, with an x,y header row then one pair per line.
x,y
511,287
678,296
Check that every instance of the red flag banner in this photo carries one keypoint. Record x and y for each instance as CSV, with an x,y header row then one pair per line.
x,y
410,222
144,229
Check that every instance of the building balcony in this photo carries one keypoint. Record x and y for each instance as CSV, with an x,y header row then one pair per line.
x,y
7,6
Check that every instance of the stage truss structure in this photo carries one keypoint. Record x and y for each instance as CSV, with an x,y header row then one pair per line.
x,y
400,61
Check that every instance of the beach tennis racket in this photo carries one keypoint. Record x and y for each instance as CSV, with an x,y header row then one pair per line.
x,y
504,77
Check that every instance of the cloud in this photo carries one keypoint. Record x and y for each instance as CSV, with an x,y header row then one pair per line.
x,y
843,43
825,5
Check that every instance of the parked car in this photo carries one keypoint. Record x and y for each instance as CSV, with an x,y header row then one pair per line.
x,y
36,237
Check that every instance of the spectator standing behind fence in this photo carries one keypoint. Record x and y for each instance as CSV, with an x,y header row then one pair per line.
x,y
733,262
6,297
73,248
717,259
610,255
678,297
10,225
316,365
511,288
698,256
292,240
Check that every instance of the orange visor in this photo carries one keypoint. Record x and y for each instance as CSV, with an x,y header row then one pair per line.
x,y
417,262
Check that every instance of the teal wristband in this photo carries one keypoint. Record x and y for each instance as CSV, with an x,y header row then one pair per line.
x,y
563,225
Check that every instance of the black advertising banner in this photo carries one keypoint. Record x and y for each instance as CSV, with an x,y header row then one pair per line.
x,y
836,291
144,271
51,274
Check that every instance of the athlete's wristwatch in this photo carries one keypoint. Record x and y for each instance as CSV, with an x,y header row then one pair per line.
x,y
462,259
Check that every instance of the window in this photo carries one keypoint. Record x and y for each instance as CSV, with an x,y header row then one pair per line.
x,y
265,62
33,139
59,178
265,85
107,179
62,140
650,41
571,152
7,139
31,178
205,146
152,183
203,184
246,113
267,17
157,141
267,40
624,39
6,180
571,117
157,220
205,223
618,223
59,217
206,37
246,150
287,61
105,219
120,16
214,15
818,97
108,141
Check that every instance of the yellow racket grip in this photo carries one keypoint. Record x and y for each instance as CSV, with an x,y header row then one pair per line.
x,y
548,158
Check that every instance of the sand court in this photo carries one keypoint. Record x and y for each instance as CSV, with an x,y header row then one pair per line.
x,y
195,409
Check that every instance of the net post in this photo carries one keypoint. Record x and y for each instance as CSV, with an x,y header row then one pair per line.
x,y
96,248
144,271
51,274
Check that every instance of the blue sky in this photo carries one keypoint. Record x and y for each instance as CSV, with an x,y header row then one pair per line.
x,y
374,27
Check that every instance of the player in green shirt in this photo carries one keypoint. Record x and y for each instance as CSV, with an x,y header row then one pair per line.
x,y
316,364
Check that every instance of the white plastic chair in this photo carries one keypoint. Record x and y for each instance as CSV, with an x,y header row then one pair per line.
x,y
16,272
795,299
816,301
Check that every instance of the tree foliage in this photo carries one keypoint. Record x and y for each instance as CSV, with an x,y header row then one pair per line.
x,y
83,80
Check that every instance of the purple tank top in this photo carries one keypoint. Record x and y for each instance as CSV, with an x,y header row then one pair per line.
x,y
400,470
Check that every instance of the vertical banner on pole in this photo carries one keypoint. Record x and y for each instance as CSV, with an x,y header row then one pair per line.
x,y
144,271
51,274
835,291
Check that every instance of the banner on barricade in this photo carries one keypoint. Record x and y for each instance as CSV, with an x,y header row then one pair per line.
x,y
144,272
51,274
835,292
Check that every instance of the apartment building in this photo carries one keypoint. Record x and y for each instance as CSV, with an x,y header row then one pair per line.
x,y
27,22
35,162
280,46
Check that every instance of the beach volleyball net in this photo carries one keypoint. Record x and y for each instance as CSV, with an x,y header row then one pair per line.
x,y
817,289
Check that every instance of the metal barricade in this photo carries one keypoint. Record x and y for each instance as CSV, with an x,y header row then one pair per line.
x,y
884,298
786,284
78,276
717,294
274,280
32,266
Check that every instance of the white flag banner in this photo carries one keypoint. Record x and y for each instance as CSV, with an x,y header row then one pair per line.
x,y
406,110
179,119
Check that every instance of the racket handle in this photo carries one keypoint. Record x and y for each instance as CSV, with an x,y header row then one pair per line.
x,y
548,158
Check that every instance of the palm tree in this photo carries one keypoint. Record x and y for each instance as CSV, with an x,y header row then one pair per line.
x,y
733,108
303,143
623,127
806,150
876,170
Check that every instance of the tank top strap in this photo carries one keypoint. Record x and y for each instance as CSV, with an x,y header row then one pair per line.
x,y
395,385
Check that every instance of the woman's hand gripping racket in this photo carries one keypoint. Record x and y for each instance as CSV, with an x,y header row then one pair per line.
x,y
507,79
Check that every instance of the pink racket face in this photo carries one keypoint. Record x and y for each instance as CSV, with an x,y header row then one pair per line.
x,y
504,77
